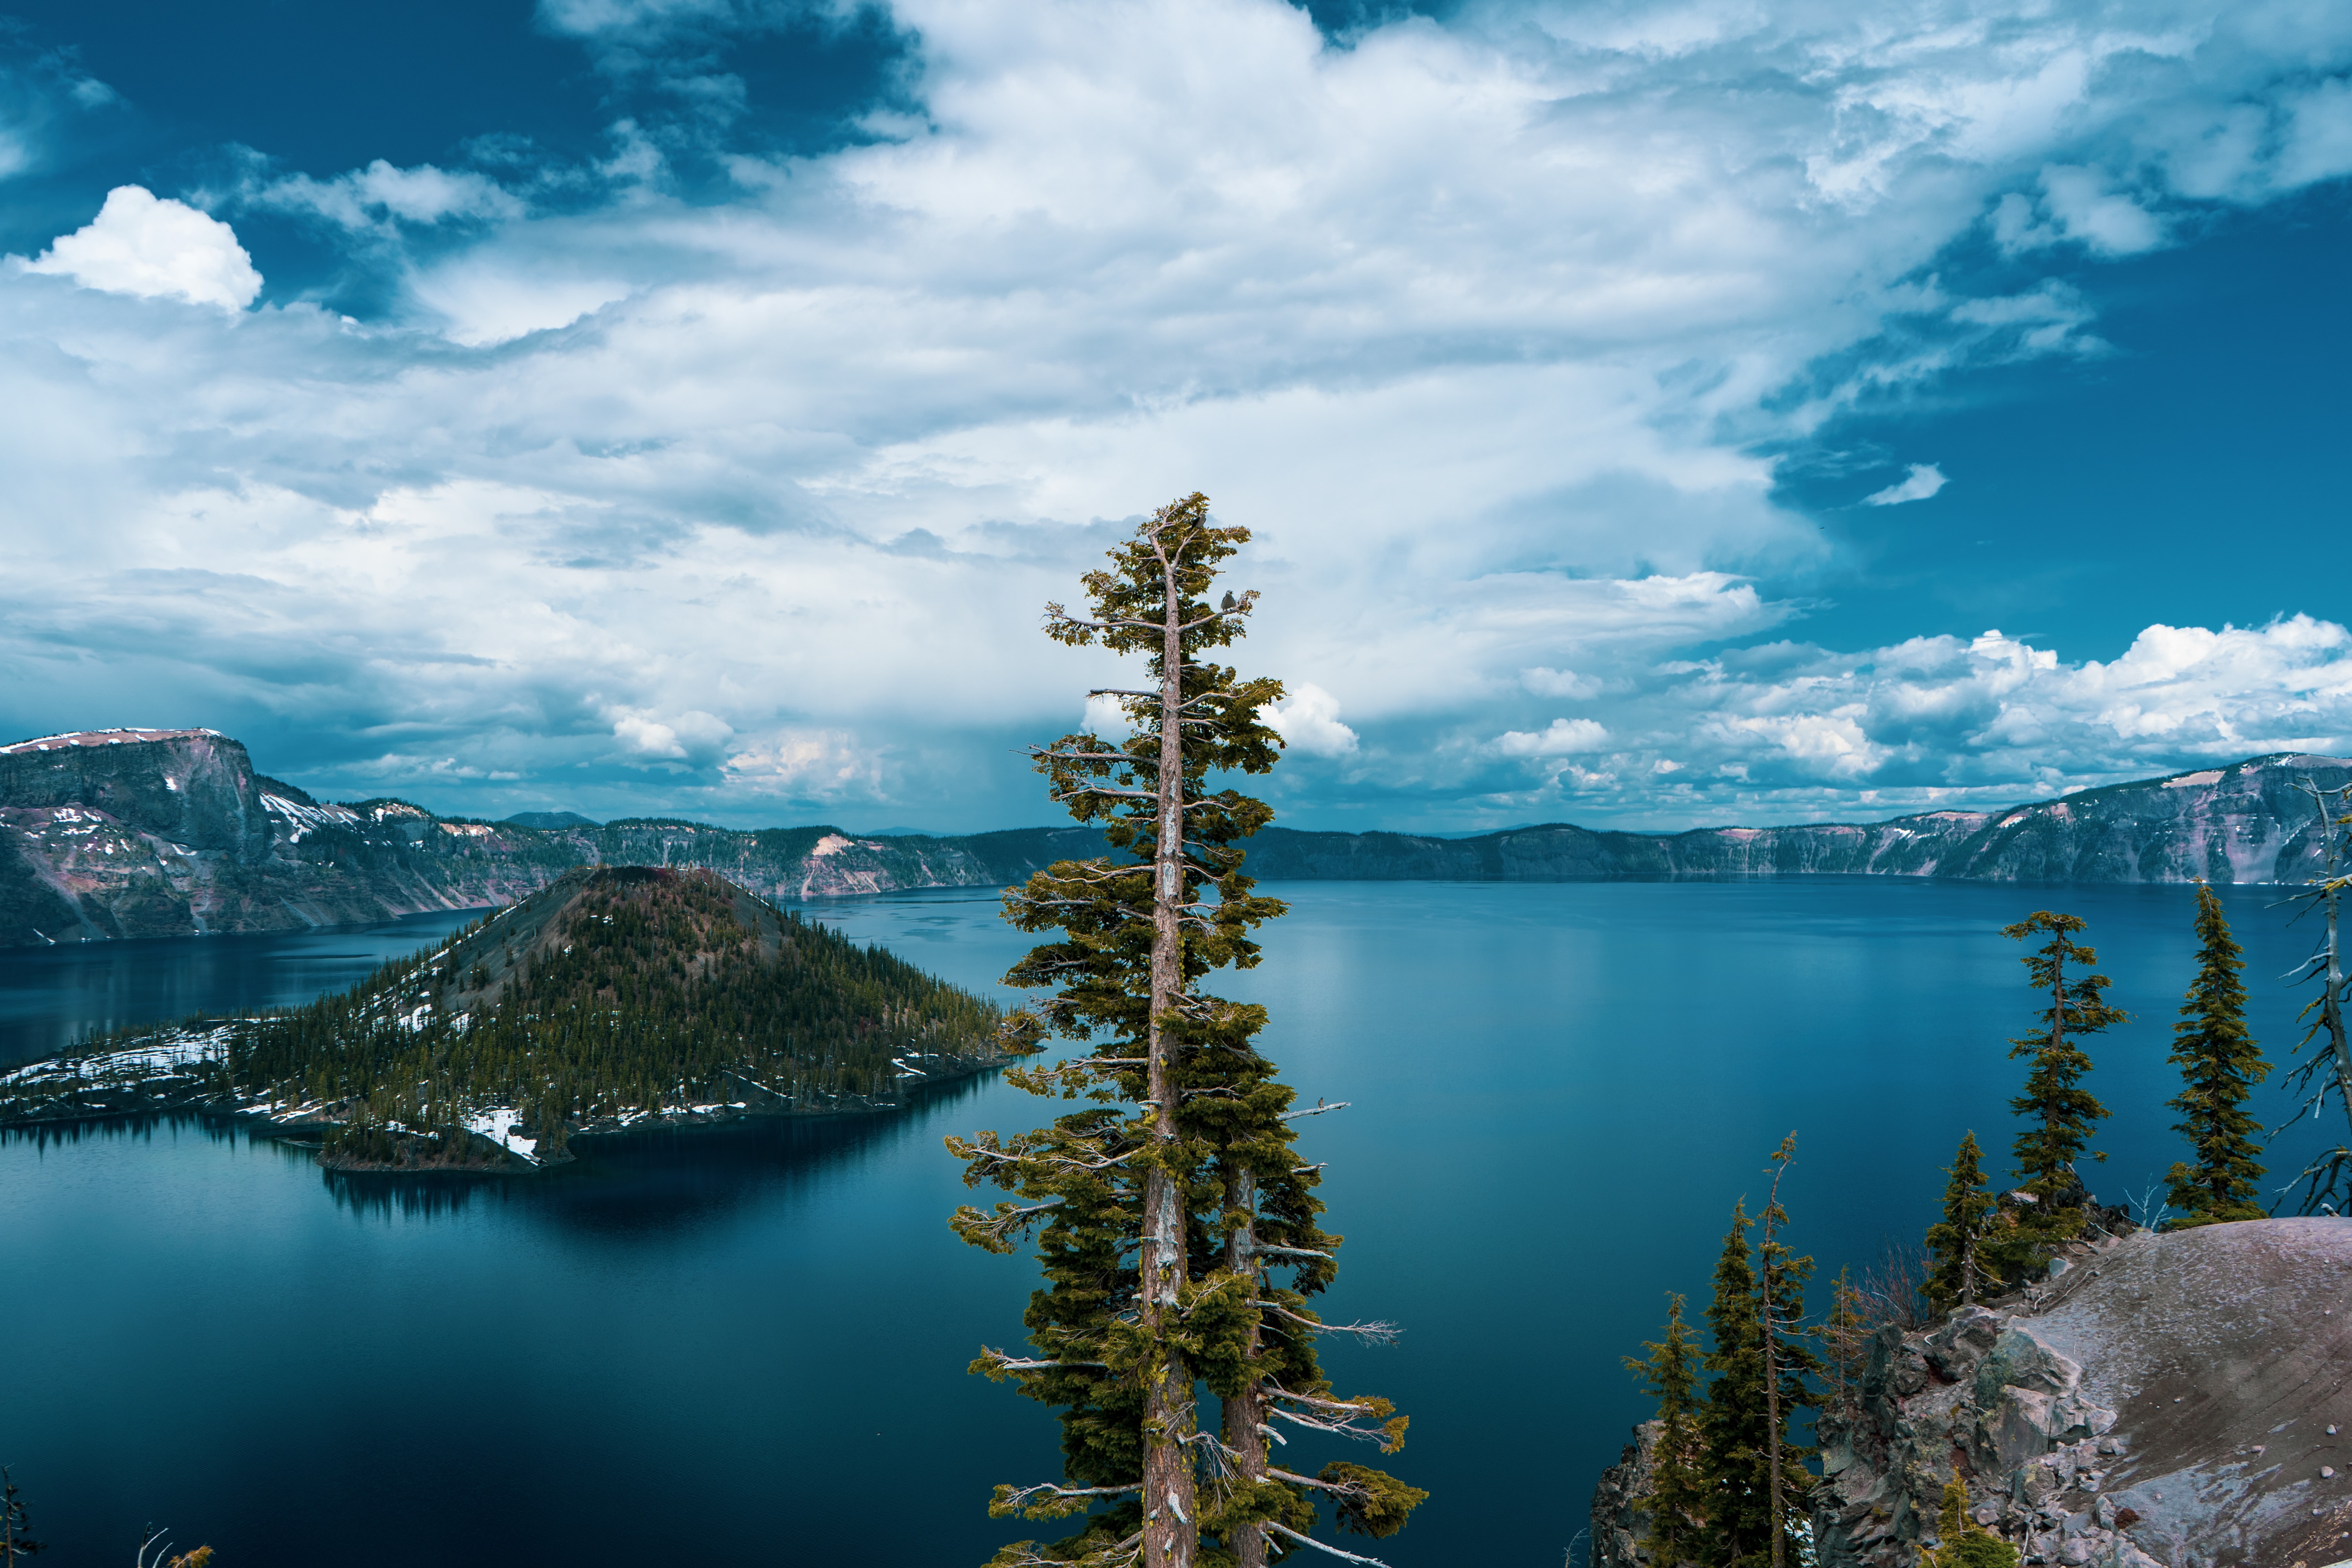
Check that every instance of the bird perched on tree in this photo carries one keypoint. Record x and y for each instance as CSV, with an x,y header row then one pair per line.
x,y
1228,606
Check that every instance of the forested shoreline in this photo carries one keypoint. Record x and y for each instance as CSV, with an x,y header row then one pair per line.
x,y
609,999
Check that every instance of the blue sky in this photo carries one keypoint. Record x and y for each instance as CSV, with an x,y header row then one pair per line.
x,y
1649,415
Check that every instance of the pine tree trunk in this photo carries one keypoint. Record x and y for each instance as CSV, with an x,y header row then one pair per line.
x,y
1171,1532
1245,1411
2331,1009
2057,1044
1772,1390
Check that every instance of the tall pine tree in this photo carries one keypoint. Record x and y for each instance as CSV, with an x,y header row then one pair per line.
x,y
1780,1278
1739,1503
2059,1112
2219,1064
1748,1391
1954,1270
1168,1210
1679,1489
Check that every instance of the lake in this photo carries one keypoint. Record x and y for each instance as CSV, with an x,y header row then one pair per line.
x,y
750,1344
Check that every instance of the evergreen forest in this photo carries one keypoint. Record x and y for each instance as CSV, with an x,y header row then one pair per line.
x,y
613,996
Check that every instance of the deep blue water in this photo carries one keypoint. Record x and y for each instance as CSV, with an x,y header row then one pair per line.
x,y
749,1346
51,996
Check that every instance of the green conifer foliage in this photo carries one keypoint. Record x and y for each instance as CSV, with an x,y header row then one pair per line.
x,y
1177,1226
2059,1112
1734,1423
1679,1489
2219,1064
1737,1425
1955,1274
1960,1544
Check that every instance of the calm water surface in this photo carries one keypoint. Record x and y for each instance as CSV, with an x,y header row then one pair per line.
x,y
51,996
749,1346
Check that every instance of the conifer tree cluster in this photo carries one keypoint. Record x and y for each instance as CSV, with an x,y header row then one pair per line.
x,y
1176,1225
1729,1482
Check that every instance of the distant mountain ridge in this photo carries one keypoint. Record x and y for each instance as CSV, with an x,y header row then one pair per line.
x,y
124,833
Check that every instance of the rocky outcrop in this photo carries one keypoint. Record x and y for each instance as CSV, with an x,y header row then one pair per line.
x,y
2169,1400
1620,1514
2175,1400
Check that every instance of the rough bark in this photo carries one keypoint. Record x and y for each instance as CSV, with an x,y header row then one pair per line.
x,y
1171,1529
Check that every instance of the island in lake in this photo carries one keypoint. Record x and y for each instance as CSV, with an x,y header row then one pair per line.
x,y
616,997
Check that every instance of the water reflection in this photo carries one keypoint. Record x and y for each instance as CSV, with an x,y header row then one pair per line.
x,y
143,1127
651,1186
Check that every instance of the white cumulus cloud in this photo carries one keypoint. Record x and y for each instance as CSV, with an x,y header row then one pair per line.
x,y
1307,719
692,735
142,245
1924,480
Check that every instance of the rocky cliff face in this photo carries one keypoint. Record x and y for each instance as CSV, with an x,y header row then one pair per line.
x,y
2250,822
164,833
169,832
125,832
2174,1400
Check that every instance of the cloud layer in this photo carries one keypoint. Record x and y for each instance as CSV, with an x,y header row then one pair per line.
x,y
1484,328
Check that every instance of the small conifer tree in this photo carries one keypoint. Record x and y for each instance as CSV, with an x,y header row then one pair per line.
x,y
1678,1494
1953,1268
1960,1542
15,1540
2059,1112
1844,1331
2219,1064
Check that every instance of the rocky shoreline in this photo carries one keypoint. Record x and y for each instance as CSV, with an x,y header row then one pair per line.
x,y
176,1073
2168,1401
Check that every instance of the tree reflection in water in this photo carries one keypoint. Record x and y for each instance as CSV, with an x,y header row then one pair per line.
x,y
654,1183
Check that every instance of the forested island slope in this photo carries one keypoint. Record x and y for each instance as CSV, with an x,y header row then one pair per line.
x,y
167,832
614,996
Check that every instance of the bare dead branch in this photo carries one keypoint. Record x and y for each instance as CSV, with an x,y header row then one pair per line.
x,y
1375,1333
1310,1541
